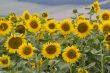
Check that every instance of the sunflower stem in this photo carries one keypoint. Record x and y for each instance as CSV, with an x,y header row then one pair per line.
x,y
71,68
83,55
102,71
102,58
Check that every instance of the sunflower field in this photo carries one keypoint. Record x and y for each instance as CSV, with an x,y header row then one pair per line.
x,y
33,43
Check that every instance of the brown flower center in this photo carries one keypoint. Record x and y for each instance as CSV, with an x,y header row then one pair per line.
x,y
3,26
95,27
27,50
20,29
105,16
51,25
82,27
4,61
106,28
51,49
65,27
27,16
13,19
44,15
15,42
34,24
108,39
71,54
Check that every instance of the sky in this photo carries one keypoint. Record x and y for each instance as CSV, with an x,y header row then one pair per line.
x,y
58,9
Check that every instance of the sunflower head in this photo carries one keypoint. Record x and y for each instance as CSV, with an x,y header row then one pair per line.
x,y
45,15
71,54
81,17
26,50
3,19
105,16
105,27
5,61
95,7
51,50
107,40
13,18
26,15
36,15
66,27
5,28
14,42
95,26
51,25
20,28
83,28
33,25
81,70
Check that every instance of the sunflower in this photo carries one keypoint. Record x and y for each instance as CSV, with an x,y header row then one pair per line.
x,y
81,17
81,70
13,18
51,26
14,42
35,14
5,28
40,34
45,15
26,50
3,19
95,7
5,61
33,25
71,54
105,16
34,65
105,27
20,28
66,27
51,50
107,39
26,15
95,26
83,28
37,63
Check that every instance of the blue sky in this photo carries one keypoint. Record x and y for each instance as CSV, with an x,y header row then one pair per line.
x,y
56,8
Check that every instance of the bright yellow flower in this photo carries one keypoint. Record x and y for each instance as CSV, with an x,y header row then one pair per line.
x,y
26,50
5,28
51,26
105,16
45,15
3,19
20,28
95,26
83,28
107,40
13,18
26,15
81,70
71,54
35,14
51,50
13,42
5,61
81,17
66,27
105,27
96,7
33,25
40,34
